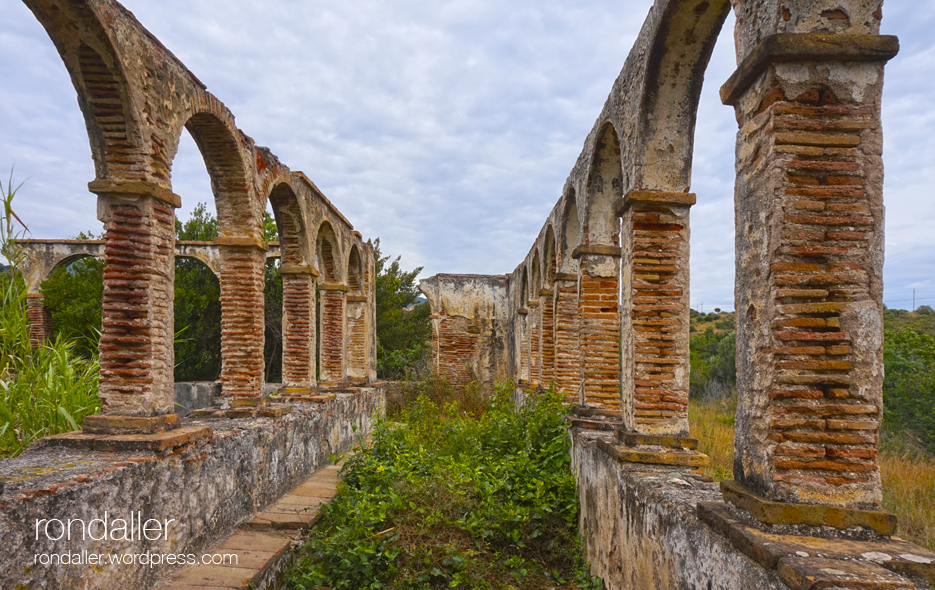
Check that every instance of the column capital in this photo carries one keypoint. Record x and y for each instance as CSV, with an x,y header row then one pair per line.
x,y
240,242
103,187
597,249
564,276
644,197
297,269
805,47
332,287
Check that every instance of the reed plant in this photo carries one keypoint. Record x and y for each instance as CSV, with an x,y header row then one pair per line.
x,y
46,389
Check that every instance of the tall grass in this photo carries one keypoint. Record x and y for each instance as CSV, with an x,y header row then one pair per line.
x,y
44,390
908,472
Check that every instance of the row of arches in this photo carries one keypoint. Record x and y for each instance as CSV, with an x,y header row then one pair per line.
x,y
137,100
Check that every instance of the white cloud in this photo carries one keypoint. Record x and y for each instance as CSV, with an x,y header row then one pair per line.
x,y
445,128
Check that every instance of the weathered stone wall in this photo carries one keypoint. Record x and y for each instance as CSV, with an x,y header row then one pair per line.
x,y
469,327
208,488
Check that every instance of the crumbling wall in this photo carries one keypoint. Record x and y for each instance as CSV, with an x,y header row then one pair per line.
x,y
469,327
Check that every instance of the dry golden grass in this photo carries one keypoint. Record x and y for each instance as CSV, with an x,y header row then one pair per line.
x,y
908,475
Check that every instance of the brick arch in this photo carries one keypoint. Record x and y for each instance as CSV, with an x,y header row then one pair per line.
x,y
78,32
220,143
328,254
290,221
674,74
605,187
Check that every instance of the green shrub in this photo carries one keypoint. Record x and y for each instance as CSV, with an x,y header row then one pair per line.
x,y
909,387
44,390
713,361
449,499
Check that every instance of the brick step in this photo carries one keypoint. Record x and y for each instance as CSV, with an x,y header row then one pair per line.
x,y
263,545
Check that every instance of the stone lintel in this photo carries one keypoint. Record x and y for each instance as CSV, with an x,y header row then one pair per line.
x,y
240,242
156,442
297,269
105,187
596,249
587,412
356,298
771,512
332,287
636,439
806,47
522,311
669,457
771,550
110,424
565,276
641,197
546,293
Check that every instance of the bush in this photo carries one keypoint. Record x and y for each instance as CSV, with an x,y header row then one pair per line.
x,y
909,387
713,361
450,499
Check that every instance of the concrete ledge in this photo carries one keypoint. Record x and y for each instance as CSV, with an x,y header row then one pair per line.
x,y
209,488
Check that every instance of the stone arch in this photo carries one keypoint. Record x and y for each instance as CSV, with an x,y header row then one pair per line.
x,y
675,67
290,222
97,73
524,288
535,272
549,264
570,236
327,254
605,187
355,278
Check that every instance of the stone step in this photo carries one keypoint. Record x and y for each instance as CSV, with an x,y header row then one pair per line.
x,y
263,545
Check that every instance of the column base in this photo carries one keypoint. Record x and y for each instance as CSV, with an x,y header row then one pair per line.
x,y
654,455
109,424
637,439
771,512
595,418
303,394
157,442
241,407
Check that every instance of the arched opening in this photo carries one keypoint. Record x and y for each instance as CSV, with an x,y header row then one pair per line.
x,y
522,329
547,307
71,296
197,309
605,187
290,296
570,234
535,321
356,318
332,299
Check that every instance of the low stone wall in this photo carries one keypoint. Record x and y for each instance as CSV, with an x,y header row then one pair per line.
x,y
208,488
641,530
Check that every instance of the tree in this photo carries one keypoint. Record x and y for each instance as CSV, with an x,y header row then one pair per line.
x,y
72,294
272,346
403,328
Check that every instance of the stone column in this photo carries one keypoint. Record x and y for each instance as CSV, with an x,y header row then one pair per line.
x,y
40,320
357,337
547,312
522,323
333,358
298,326
535,353
599,325
136,347
567,360
242,316
655,312
809,247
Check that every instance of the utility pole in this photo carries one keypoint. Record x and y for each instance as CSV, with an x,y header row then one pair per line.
x,y
913,300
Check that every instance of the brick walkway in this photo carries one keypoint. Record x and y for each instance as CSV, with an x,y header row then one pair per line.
x,y
263,544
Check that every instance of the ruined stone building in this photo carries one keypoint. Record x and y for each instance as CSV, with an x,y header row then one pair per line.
x,y
599,307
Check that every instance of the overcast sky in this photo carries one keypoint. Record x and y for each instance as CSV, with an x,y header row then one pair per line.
x,y
446,128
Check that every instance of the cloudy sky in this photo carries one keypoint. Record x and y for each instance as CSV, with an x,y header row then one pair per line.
x,y
445,127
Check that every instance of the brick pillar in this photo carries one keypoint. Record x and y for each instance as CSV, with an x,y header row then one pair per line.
x,y
655,311
809,247
522,322
547,311
567,358
242,316
357,337
535,353
298,325
333,364
40,320
599,324
136,347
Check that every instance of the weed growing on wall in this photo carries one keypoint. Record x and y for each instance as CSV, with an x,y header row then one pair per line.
x,y
446,498
44,390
